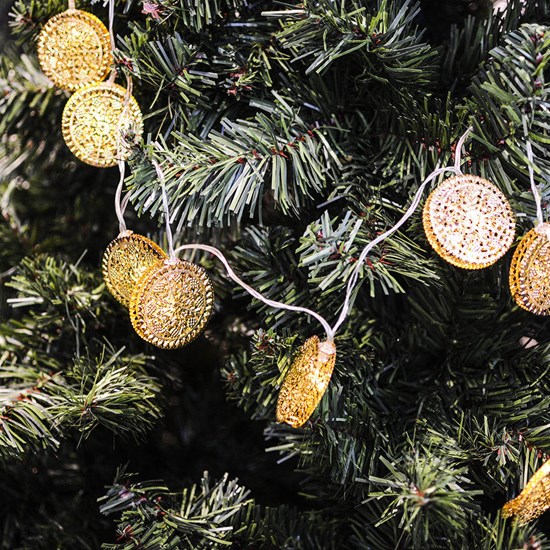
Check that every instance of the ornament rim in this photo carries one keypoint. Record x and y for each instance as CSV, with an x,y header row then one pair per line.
x,y
146,280
125,236
440,247
107,58
527,249
134,116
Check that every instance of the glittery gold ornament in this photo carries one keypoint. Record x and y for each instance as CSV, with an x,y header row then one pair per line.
x,y
74,50
469,222
94,121
306,382
534,499
125,260
530,271
171,303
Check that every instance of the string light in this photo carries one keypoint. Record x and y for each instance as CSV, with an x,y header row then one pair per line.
x,y
330,331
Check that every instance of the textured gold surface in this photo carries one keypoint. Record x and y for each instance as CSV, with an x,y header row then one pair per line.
x,y
171,303
94,121
530,271
469,222
125,260
74,50
534,500
306,382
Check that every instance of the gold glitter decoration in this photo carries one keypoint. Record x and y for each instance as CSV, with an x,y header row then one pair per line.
x,y
306,382
530,271
534,500
124,262
74,50
171,303
469,222
94,121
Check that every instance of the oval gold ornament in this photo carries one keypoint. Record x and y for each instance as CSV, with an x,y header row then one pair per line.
x,y
95,120
74,50
171,303
125,260
534,500
530,271
469,222
306,382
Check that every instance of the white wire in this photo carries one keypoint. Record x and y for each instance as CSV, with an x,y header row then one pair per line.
x,y
534,188
255,293
228,268
352,281
111,22
458,150
119,207
169,236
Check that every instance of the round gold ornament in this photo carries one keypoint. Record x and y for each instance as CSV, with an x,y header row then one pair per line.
x,y
306,382
530,271
95,120
469,222
171,303
534,500
74,50
125,260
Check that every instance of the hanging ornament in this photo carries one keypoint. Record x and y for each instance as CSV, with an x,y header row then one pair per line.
x,y
469,222
94,121
534,499
171,303
125,260
306,382
530,271
74,50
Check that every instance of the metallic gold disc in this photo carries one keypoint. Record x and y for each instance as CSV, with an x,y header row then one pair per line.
x,y
306,382
124,262
95,121
534,500
74,50
171,303
530,271
469,222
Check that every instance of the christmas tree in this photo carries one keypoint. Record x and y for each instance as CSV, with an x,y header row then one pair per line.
x,y
288,135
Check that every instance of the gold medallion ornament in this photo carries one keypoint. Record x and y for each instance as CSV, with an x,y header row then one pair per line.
x,y
171,303
95,120
534,500
306,382
469,222
125,260
74,50
530,271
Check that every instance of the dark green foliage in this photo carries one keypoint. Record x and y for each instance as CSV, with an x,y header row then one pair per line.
x,y
38,500
517,98
427,492
58,372
210,515
290,135
384,39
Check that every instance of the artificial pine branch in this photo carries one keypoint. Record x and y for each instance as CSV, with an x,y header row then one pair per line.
x,y
426,488
517,99
51,387
206,515
151,516
228,176
386,40
313,118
